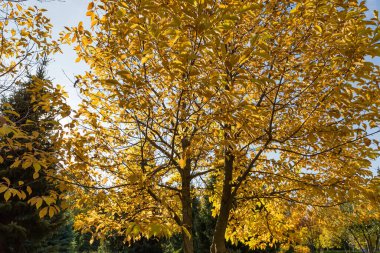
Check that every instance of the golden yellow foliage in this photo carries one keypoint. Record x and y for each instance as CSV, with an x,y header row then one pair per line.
x,y
275,100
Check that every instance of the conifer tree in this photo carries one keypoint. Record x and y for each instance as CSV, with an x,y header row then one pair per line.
x,y
21,227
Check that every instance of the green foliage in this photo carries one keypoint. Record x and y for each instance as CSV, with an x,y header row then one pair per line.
x,y
145,245
83,244
60,240
203,225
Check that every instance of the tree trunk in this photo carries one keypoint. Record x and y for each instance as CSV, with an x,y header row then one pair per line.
x,y
367,237
369,245
357,241
312,247
218,244
187,215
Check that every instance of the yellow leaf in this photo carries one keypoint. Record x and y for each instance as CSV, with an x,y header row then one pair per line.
x,y
144,60
43,212
19,194
7,195
51,211
36,175
7,105
37,167
80,26
48,200
3,188
1,159
173,41
64,205
295,9
7,180
136,230
5,129
318,28
90,6
29,190
85,41
372,124
39,203
26,164
11,112
23,195
23,32
94,22
186,231
16,164
74,38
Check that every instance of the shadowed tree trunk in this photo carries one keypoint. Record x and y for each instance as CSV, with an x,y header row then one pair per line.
x,y
218,243
187,215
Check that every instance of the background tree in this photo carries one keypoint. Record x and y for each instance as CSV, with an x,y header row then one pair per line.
x,y
276,100
26,38
22,227
350,225
360,220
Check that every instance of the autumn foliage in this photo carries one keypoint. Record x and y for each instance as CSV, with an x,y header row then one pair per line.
x,y
275,102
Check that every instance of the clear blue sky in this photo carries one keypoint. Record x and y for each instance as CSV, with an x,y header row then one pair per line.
x,y
69,13
65,13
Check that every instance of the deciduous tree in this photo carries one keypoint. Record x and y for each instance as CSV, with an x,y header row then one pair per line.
x,y
275,99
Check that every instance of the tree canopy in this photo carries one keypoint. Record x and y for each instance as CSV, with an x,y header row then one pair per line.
x,y
276,103
276,100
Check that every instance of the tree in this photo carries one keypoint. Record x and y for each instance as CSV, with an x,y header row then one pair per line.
x,y
354,224
25,39
203,224
155,157
275,99
62,240
22,227
359,221
366,235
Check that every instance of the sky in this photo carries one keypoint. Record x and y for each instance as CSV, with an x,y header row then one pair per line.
x,y
63,67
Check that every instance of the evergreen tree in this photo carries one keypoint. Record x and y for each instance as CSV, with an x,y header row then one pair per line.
x,y
21,228
60,241
203,225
